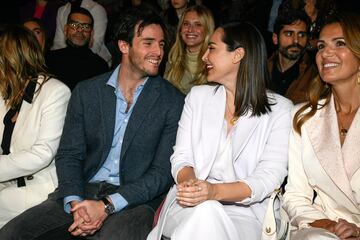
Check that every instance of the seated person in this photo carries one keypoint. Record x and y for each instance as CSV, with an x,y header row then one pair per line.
x,y
43,10
290,65
76,62
113,160
322,196
185,68
98,12
231,147
35,25
32,113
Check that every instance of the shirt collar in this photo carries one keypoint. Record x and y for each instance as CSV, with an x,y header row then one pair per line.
x,y
113,80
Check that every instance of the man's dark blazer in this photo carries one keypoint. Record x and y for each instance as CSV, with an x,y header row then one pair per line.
x,y
147,145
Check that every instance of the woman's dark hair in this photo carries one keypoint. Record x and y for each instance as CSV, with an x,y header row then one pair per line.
x,y
253,75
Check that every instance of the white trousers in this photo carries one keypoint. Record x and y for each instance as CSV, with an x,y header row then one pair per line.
x,y
313,234
212,221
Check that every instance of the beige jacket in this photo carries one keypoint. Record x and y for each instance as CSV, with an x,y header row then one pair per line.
x,y
317,162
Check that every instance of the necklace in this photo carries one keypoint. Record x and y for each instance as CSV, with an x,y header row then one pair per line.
x,y
234,119
343,131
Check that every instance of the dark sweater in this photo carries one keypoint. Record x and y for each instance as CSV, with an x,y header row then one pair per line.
x,y
72,65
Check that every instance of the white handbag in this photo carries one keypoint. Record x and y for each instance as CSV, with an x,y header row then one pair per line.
x,y
275,229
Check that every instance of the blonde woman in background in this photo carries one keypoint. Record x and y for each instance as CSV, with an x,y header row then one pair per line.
x,y
32,112
185,68
322,196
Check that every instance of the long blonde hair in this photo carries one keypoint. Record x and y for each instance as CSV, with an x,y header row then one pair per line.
x,y
21,60
350,24
177,63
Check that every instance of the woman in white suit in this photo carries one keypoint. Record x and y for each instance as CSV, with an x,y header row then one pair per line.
x,y
32,112
322,196
231,146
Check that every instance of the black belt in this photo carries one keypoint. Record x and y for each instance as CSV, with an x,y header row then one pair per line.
x,y
21,180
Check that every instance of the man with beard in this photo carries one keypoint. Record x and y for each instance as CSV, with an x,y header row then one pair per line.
x,y
76,62
290,66
113,161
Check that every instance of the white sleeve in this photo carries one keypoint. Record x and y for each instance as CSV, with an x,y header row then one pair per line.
x,y
40,154
271,169
100,23
61,18
183,154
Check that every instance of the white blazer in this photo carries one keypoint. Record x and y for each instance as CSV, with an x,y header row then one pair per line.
x,y
100,23
260,152
317,162
34,142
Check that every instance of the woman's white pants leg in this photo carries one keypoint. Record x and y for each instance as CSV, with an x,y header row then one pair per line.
x,y
212,221
313,234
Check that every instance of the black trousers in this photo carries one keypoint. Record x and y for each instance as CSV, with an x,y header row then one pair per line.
x,y
49,221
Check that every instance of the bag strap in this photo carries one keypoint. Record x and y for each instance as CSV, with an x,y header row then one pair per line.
x,y
269,225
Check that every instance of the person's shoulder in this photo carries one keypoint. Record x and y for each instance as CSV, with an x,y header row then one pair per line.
x,y
99,60
279,102
166,86
54,54
50,84
200,91
93,83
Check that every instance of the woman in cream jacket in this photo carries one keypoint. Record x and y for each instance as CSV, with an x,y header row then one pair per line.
x,y
32,112
231,145
322,196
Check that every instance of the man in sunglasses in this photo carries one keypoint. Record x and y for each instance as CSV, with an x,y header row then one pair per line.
x,y
76,62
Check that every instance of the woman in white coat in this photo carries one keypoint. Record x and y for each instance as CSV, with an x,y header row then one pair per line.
x,y
231,146
322,196
32,112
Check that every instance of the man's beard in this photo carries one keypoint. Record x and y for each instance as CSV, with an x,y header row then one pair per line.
x,y
292,56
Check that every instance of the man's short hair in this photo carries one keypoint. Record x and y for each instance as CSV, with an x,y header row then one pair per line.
x,y
125,26
289,17
80,10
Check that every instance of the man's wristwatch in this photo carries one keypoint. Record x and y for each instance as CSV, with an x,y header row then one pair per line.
x,y
109,207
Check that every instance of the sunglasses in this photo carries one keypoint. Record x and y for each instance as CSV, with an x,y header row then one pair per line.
x,y
86,27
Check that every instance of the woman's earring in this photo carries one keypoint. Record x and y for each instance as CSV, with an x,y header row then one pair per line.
x,y
358,79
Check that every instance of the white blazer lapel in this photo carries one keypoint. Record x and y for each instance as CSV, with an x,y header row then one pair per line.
x,y
323,133
351,147
245,127
211,126
318,177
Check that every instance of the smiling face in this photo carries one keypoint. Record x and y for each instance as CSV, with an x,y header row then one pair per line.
x,y
146,51
335,61
192,31
78,30
221,64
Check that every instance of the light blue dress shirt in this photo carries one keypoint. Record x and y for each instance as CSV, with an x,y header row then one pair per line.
x,y
109,171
